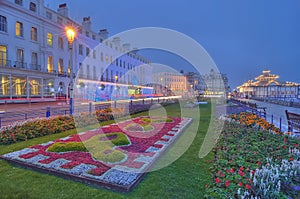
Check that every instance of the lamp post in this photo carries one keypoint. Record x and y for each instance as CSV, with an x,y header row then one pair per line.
x,y
70,32
116,78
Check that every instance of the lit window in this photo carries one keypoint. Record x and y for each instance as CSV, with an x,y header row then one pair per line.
x,y
50,64
49,39
60,43
3,23
33,34
32,6
3,55
19,2
60,66
19,29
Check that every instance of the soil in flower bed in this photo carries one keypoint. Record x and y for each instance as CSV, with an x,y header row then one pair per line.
x,y
109,156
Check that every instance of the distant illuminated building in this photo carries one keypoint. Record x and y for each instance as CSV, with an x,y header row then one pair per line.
x,y
268,86
216,84
170,83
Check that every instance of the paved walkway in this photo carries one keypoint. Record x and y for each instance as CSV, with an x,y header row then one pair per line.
x,y
278,111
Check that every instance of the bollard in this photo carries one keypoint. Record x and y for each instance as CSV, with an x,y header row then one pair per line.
x,y
130,102
151,101
0,122
272,119
115,104
90,108
143,101
48,114
25,116
280,124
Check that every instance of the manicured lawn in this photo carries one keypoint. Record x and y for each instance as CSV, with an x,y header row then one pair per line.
x,y
184,178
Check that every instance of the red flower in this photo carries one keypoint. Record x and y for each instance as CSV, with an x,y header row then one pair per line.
x,y
247,186
291,158
230,160
221,174
217,180
240,184
227,183
242,168
296,145
241,173
258,163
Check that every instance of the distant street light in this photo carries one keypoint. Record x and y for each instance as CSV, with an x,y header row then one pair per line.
x,y
116,78
71,34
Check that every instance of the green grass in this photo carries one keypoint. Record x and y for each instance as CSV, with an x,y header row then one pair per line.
x,y
184,178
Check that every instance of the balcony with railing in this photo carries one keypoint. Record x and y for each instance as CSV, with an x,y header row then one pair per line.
x,y
5,63
35,67
19,64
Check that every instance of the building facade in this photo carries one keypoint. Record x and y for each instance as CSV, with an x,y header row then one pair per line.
x,y
35,58
216,84
169,83
267,86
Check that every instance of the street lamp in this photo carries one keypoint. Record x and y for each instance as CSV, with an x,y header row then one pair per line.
x,y
70,32
116,78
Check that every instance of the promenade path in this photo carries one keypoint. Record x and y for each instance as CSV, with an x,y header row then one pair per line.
x,y
278,111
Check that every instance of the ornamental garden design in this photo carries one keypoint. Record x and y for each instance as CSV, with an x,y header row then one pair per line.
x,y
115,156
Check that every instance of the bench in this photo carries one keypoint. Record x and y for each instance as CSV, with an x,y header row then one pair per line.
x,y
293,120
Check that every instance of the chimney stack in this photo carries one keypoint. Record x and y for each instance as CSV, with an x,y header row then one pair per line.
x,y
103,34
63,10
86,23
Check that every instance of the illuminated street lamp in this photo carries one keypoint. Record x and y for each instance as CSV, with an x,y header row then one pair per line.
x,y
116,78
71,34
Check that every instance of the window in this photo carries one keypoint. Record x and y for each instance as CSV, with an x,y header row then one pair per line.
x,y
59,20
94,54
19,29
80,49
88,71
87,33
33,34
60,43
3,55
60,66
19,2
49,39
94,73
34,61
101,56
32,6
87,51
117,62
20,58
34,58
50,64
49,15
3,23
94,37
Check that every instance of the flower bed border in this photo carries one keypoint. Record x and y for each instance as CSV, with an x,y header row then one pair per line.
x,y
101,183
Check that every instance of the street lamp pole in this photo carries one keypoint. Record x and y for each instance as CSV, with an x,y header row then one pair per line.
x,y
116,78
71,36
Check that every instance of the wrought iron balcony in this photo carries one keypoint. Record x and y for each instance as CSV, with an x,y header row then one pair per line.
x,y
5,63
35,67
20,64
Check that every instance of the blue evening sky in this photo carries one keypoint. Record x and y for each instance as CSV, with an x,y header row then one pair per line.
x,y
242,37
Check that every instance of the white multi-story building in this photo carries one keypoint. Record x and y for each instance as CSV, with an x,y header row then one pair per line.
x,y
35,58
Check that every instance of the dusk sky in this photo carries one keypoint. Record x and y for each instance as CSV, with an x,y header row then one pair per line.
x,y
242,37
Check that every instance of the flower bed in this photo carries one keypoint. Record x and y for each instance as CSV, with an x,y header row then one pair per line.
x,y
110,156
252,159
41,127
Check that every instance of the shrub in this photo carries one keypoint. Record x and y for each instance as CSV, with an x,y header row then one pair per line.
x,y
65,147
